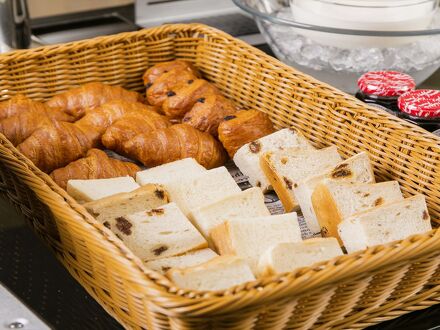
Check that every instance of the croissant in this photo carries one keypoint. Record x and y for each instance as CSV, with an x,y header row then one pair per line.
x,y
207,115
174,143
89,96
131,125
104,116
151,75
16,105
96,165
179,102
243,127
55,145
19,127
165,85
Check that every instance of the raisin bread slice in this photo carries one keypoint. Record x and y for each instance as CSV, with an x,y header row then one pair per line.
x,y
335,201
249,238
189,259
287,257
170,172
208,187
91,190
247,158
285,168
248,203
355,169
385,224
159,233
219,273
107,209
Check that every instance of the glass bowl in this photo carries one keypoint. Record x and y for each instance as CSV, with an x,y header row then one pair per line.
x,y
336,41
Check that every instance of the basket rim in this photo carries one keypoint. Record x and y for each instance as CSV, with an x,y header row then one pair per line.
x,y
257,292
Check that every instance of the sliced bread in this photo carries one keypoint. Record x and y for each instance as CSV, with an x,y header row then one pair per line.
x,y
355,169
286,257
335,201
206,188
170,172
384,224
249,238
91,190
248,203
107,209
189,259
247,158
285,168
159,233
219,273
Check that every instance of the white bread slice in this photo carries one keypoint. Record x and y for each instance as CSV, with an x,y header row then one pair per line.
x,y
159,233
286,257
248,203
219,273
385,224
206,188
166,173
91,190
355,169
335,201
189,259
249,238
107,209
285,168
247,158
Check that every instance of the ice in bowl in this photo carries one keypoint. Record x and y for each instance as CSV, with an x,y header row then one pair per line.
x,y
337,41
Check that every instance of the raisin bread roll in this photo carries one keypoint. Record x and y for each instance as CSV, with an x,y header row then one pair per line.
x,y
209,112
153,73
181,100
166,84
243,127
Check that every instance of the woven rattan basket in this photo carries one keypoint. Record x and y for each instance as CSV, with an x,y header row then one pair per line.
x,y
352,291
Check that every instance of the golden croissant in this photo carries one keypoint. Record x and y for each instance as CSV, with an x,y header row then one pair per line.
x,y
104,116
96,165
19,127
131,125
55,145
16,105
89,96
174,143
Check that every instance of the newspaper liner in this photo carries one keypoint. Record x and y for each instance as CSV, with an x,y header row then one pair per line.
x,y
271,199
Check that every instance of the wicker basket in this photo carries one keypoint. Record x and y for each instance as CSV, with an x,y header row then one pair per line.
x,y
352,291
